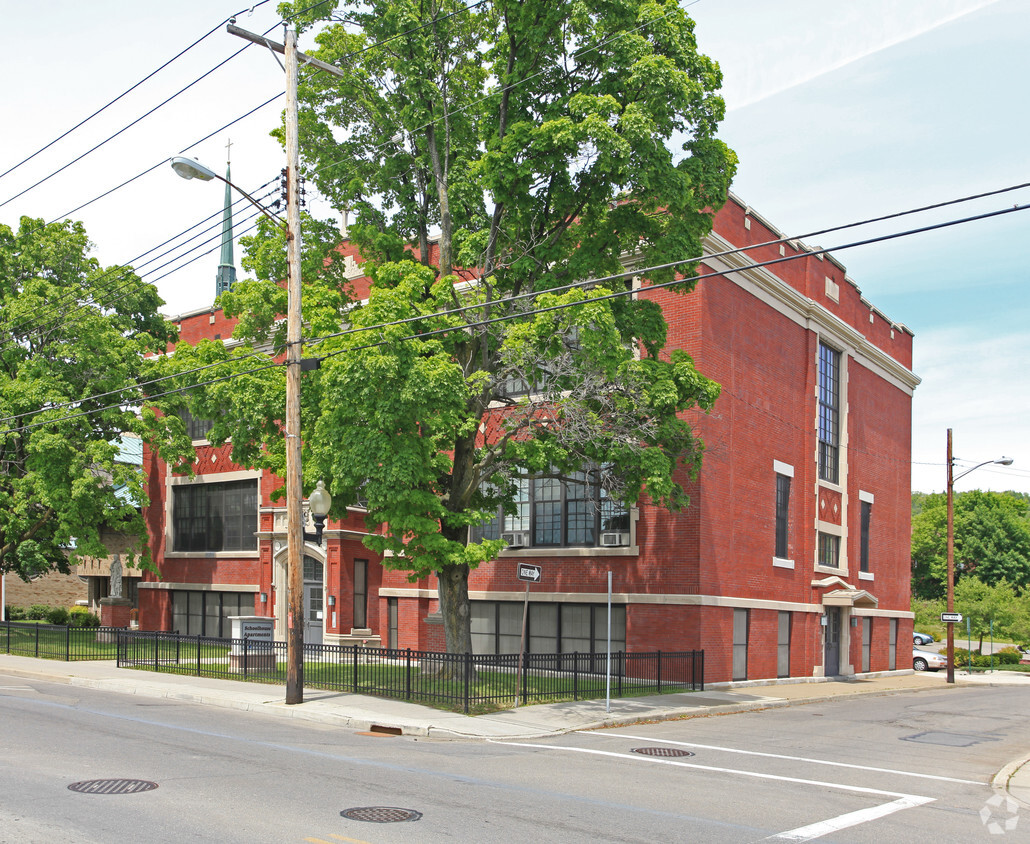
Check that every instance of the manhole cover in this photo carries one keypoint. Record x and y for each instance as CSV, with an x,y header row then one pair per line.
x,y
662,751
948,739
381,814
112,786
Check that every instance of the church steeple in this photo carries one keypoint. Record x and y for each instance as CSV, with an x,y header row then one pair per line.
x,y
226,276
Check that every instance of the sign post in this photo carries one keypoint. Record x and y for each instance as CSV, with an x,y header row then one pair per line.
x,y
531,574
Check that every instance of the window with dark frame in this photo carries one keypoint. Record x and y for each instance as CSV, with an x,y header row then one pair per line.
x,y
215,516
552,511
550,628
866,517
783,644
196,429
782,517
741,625
361,594
829,414
829,550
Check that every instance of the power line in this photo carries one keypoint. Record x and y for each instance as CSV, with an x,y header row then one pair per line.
x,y
124,93
534,311
119,273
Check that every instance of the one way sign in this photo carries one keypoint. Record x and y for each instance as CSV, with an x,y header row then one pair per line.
x,y
530,572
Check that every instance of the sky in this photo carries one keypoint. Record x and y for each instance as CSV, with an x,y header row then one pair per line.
x,y
838,112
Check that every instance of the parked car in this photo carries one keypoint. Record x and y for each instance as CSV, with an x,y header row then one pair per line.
x,y
921,638
928,660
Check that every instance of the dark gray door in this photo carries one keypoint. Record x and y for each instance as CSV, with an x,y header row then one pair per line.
x,y
832,633
313,598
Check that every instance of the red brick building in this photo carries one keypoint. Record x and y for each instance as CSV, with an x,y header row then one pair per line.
x,y
791,561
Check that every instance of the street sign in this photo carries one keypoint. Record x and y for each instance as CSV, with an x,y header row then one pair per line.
x,y
951,617
530,573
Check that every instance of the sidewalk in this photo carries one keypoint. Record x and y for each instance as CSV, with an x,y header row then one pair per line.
x,y
364,713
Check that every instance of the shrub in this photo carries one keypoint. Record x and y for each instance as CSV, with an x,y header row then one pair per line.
x,y
57,615
14,613
1007,656
37,612
82,617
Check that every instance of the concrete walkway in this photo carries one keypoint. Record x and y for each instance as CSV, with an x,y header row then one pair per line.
x,y
364,713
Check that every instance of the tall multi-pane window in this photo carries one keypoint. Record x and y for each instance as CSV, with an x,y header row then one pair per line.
x,y
866,517
829,550
783,645
196,428
829,414
867,641
741,621
782,516
361,594
552,511
215,516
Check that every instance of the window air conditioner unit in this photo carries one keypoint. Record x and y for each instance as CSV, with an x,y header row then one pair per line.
x,y
614,540
516,539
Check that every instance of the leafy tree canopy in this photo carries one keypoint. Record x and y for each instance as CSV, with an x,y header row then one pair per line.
x,y
488,152
69,330
992,541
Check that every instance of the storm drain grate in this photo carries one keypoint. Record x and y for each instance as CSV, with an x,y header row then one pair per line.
x,y
380,814
112,786
662,751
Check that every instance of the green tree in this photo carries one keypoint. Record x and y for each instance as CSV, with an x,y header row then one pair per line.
x,y
69,330
992,541
488,152
988,607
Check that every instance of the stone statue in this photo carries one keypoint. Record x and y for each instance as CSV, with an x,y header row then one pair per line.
x,y
116,577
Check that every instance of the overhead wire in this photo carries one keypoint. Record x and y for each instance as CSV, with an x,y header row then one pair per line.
x,y
124,93
532,312
121,273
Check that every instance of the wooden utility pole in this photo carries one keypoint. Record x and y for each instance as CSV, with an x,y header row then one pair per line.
x,y
294,470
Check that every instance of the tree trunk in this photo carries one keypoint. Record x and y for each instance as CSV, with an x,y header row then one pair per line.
x,y
453,584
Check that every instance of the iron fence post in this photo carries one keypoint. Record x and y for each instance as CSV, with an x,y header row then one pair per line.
x,y
407,675
37,641
468,676
354,666
575,675
198,653
156,662
622,669
68,643
659,670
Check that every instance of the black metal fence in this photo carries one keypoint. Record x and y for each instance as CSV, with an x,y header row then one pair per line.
x,y
468,682
54,641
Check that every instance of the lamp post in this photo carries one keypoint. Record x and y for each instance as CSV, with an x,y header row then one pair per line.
x,y
320,500
952,477
295,535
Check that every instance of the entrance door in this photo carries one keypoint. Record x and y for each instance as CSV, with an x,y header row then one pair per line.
x,y
832,632
313,602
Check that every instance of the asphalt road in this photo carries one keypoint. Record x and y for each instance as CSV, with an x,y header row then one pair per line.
x,y
910,767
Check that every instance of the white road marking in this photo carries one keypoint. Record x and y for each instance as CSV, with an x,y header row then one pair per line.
x,y
858,789
817,830
650,740
16,689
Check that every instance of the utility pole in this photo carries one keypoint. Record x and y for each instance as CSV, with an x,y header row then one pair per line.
x,y
294,470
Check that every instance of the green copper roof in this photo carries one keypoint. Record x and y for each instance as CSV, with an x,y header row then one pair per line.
x,y
226,276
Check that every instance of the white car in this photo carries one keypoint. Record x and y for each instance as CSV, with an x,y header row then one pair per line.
x,y
928,660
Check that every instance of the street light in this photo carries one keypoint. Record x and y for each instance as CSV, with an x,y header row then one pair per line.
x,y
952,477
189,168
319,504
